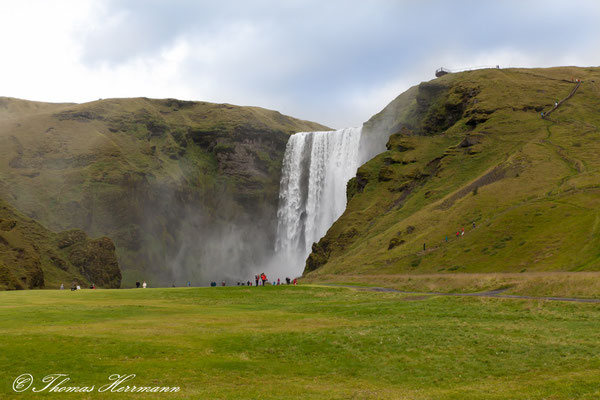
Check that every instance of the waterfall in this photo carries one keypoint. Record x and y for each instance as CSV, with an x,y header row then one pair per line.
x,y
312,195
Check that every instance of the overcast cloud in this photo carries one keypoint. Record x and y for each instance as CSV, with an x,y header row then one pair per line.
x,y
334,62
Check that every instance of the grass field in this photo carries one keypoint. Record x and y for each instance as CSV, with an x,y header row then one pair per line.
x,y
300,342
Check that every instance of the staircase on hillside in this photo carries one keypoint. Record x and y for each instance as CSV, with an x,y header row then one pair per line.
x,y
556,105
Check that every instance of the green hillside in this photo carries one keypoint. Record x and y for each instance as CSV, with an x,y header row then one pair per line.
x,y
31,256
169,181
470,150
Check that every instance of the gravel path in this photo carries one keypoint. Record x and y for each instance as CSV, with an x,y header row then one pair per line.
x,y
494,293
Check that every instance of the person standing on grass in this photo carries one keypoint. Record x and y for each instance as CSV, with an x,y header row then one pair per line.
x,y
256,279
278,281
144,285
137,284
62,286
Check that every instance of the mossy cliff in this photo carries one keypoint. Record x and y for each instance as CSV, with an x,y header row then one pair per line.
x,y
470,150
162,178
32,256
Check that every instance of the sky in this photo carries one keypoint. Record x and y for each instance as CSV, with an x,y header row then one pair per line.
x,y
331,61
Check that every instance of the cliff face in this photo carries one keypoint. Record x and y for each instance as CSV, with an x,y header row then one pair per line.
x,y
181,187
32,256
471,151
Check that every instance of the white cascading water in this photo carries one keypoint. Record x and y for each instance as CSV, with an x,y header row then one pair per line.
x,y
312,195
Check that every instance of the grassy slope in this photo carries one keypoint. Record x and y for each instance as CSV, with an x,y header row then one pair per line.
x,y
134,169
301,342
530,185
31,256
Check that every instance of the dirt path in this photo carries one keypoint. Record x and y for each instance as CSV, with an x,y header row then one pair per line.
x,y
493,293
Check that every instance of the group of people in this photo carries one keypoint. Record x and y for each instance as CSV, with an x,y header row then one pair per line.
x,y
259,280
76,286
459,233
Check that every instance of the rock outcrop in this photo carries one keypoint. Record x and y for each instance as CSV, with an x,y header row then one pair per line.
x,y
32,256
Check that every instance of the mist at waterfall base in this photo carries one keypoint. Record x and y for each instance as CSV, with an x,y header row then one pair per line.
x,y
234,246
189,240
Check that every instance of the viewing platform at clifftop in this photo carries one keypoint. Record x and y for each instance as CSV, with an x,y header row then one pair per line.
x,y
441,72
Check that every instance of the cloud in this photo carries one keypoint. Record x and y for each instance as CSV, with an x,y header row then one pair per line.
x,y
335,62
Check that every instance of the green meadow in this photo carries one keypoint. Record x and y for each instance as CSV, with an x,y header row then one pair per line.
x,y
306,342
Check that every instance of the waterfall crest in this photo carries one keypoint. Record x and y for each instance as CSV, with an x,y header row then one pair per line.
x,y
312,195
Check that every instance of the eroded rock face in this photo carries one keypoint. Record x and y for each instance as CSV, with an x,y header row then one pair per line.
x,y
97,261
318,256
29,253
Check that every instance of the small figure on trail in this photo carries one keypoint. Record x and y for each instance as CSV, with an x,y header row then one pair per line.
x,y
542,114
446,238
423,246
137,284
462,232
457,234
556,104
144,285
62,286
